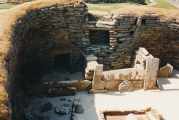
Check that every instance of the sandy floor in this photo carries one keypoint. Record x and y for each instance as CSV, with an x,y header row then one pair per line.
x,y
166,101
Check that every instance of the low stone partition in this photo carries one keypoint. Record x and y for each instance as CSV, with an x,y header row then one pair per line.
x,y
142,76
34,33
129,32
115,77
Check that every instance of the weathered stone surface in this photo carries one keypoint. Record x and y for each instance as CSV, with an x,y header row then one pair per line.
x,y
137,85
63,110
91,58
89,71
55,92
143,51
91,66
125,86
139,22
47,106
122,74
165,71
106,22
97,83
43,87
156,114
79,109
151,73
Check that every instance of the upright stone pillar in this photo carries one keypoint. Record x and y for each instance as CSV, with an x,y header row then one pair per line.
x,y
151,73
97,84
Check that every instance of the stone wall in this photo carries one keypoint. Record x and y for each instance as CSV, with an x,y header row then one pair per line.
x,y
174,2
128,32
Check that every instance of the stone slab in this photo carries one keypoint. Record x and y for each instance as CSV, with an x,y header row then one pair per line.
x,y
42,88
91,66
143,51
124,74
91,58
97,83
169,84
94,91
113,85
55,92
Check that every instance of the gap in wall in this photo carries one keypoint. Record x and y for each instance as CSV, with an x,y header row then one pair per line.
x,y
102,40
63,70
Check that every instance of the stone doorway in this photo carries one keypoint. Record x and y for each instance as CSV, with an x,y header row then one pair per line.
x,y
65,68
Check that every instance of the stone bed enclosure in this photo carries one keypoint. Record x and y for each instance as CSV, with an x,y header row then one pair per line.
x,y
33,34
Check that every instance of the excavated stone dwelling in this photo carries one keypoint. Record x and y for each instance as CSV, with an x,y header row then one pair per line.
x,y
37,36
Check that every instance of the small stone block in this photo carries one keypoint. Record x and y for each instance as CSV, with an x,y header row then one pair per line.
x,y
93,91
165,71
143,51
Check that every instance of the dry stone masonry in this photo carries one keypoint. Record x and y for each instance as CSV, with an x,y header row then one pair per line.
x,y
38,34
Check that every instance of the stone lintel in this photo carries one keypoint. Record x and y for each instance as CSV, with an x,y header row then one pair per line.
x,y
143,51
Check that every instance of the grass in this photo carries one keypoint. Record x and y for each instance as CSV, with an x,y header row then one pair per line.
x,y
164,4
6,6
107,7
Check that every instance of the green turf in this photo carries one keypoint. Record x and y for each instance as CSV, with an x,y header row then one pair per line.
x,y
164,4
107,7
6,6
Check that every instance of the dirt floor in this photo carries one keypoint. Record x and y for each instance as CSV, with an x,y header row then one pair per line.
x,y
57,76
166,101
